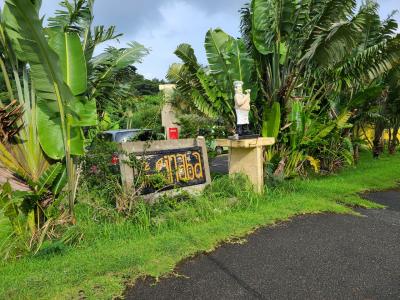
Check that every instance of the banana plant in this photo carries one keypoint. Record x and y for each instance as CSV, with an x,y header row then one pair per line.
x,y
22,154
58,76
212,88
272,121
194,83
106,65
23,213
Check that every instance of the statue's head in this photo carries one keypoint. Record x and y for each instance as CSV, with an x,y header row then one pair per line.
x,y
238,86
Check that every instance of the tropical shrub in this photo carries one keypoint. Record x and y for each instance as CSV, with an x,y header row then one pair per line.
x,y
111,76
142,112
52,85
49,80
100,170
307,63
26,212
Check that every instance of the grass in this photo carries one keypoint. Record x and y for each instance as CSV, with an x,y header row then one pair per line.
x,y
116,252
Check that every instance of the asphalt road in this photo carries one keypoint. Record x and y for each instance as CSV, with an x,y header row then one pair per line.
x,y
311,257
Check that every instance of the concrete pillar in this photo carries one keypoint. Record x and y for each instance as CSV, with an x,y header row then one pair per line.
x,y
168,115
246,157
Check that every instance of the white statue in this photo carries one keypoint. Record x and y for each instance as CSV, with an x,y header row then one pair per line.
x,y
242,107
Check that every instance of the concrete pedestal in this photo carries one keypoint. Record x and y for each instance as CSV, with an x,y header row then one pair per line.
x,y
246,156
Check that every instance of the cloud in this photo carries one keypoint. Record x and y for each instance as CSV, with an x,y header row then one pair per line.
x,y
128,16
182,22
133,16
163,24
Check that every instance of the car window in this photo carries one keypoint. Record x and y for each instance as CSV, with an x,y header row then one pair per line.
x,y
145,136
123,137
108,137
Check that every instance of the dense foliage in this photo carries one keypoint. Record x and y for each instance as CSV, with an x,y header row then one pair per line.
x,y
317,71
321,72
117,251
53,90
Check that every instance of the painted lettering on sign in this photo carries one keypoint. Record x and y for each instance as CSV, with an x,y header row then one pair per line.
x,y
180,168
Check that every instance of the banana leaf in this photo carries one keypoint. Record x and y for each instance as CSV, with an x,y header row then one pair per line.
x,y
25,30
272,121
59,76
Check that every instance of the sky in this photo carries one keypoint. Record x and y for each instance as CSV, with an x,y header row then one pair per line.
x,y
162,25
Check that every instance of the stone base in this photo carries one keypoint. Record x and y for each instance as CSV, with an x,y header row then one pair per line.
x,y
237,137
247,156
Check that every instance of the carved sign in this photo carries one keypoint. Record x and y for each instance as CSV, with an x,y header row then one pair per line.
x,y
180,168
166,165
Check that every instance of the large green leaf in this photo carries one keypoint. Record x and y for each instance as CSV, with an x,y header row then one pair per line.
x,y
115,59
49,129
262,30
72,59
25,29
133,54
110,62
241,65
229,61
217,45
272,22
186,53
73,64
48,177
272,121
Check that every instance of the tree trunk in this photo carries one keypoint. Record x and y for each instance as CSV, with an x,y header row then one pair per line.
x,y
378,143
356,153
394,140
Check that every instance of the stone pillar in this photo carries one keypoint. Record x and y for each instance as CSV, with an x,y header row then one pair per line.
x,y
246,157
168,115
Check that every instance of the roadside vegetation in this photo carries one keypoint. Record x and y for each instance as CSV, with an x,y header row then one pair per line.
x,y
322,73
115,251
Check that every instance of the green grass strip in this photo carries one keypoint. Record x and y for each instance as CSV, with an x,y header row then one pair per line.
x,y
116,253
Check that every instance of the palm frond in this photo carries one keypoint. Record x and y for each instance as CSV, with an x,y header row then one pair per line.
x,y
186,53
75,16
373,61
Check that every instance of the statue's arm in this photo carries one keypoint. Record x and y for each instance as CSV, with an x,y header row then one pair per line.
x,y
240,100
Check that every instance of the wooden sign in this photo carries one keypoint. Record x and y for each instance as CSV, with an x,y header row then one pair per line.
x,y
181,164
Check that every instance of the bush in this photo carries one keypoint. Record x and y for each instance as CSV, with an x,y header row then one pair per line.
x,y
100,170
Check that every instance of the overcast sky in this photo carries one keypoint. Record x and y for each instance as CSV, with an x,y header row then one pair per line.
x,y
161,25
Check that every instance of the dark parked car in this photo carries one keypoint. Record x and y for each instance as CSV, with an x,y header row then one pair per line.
x,y
127,135
124,136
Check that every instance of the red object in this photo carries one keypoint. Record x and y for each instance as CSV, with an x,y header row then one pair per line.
x,y
94,169
173,133
115,160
